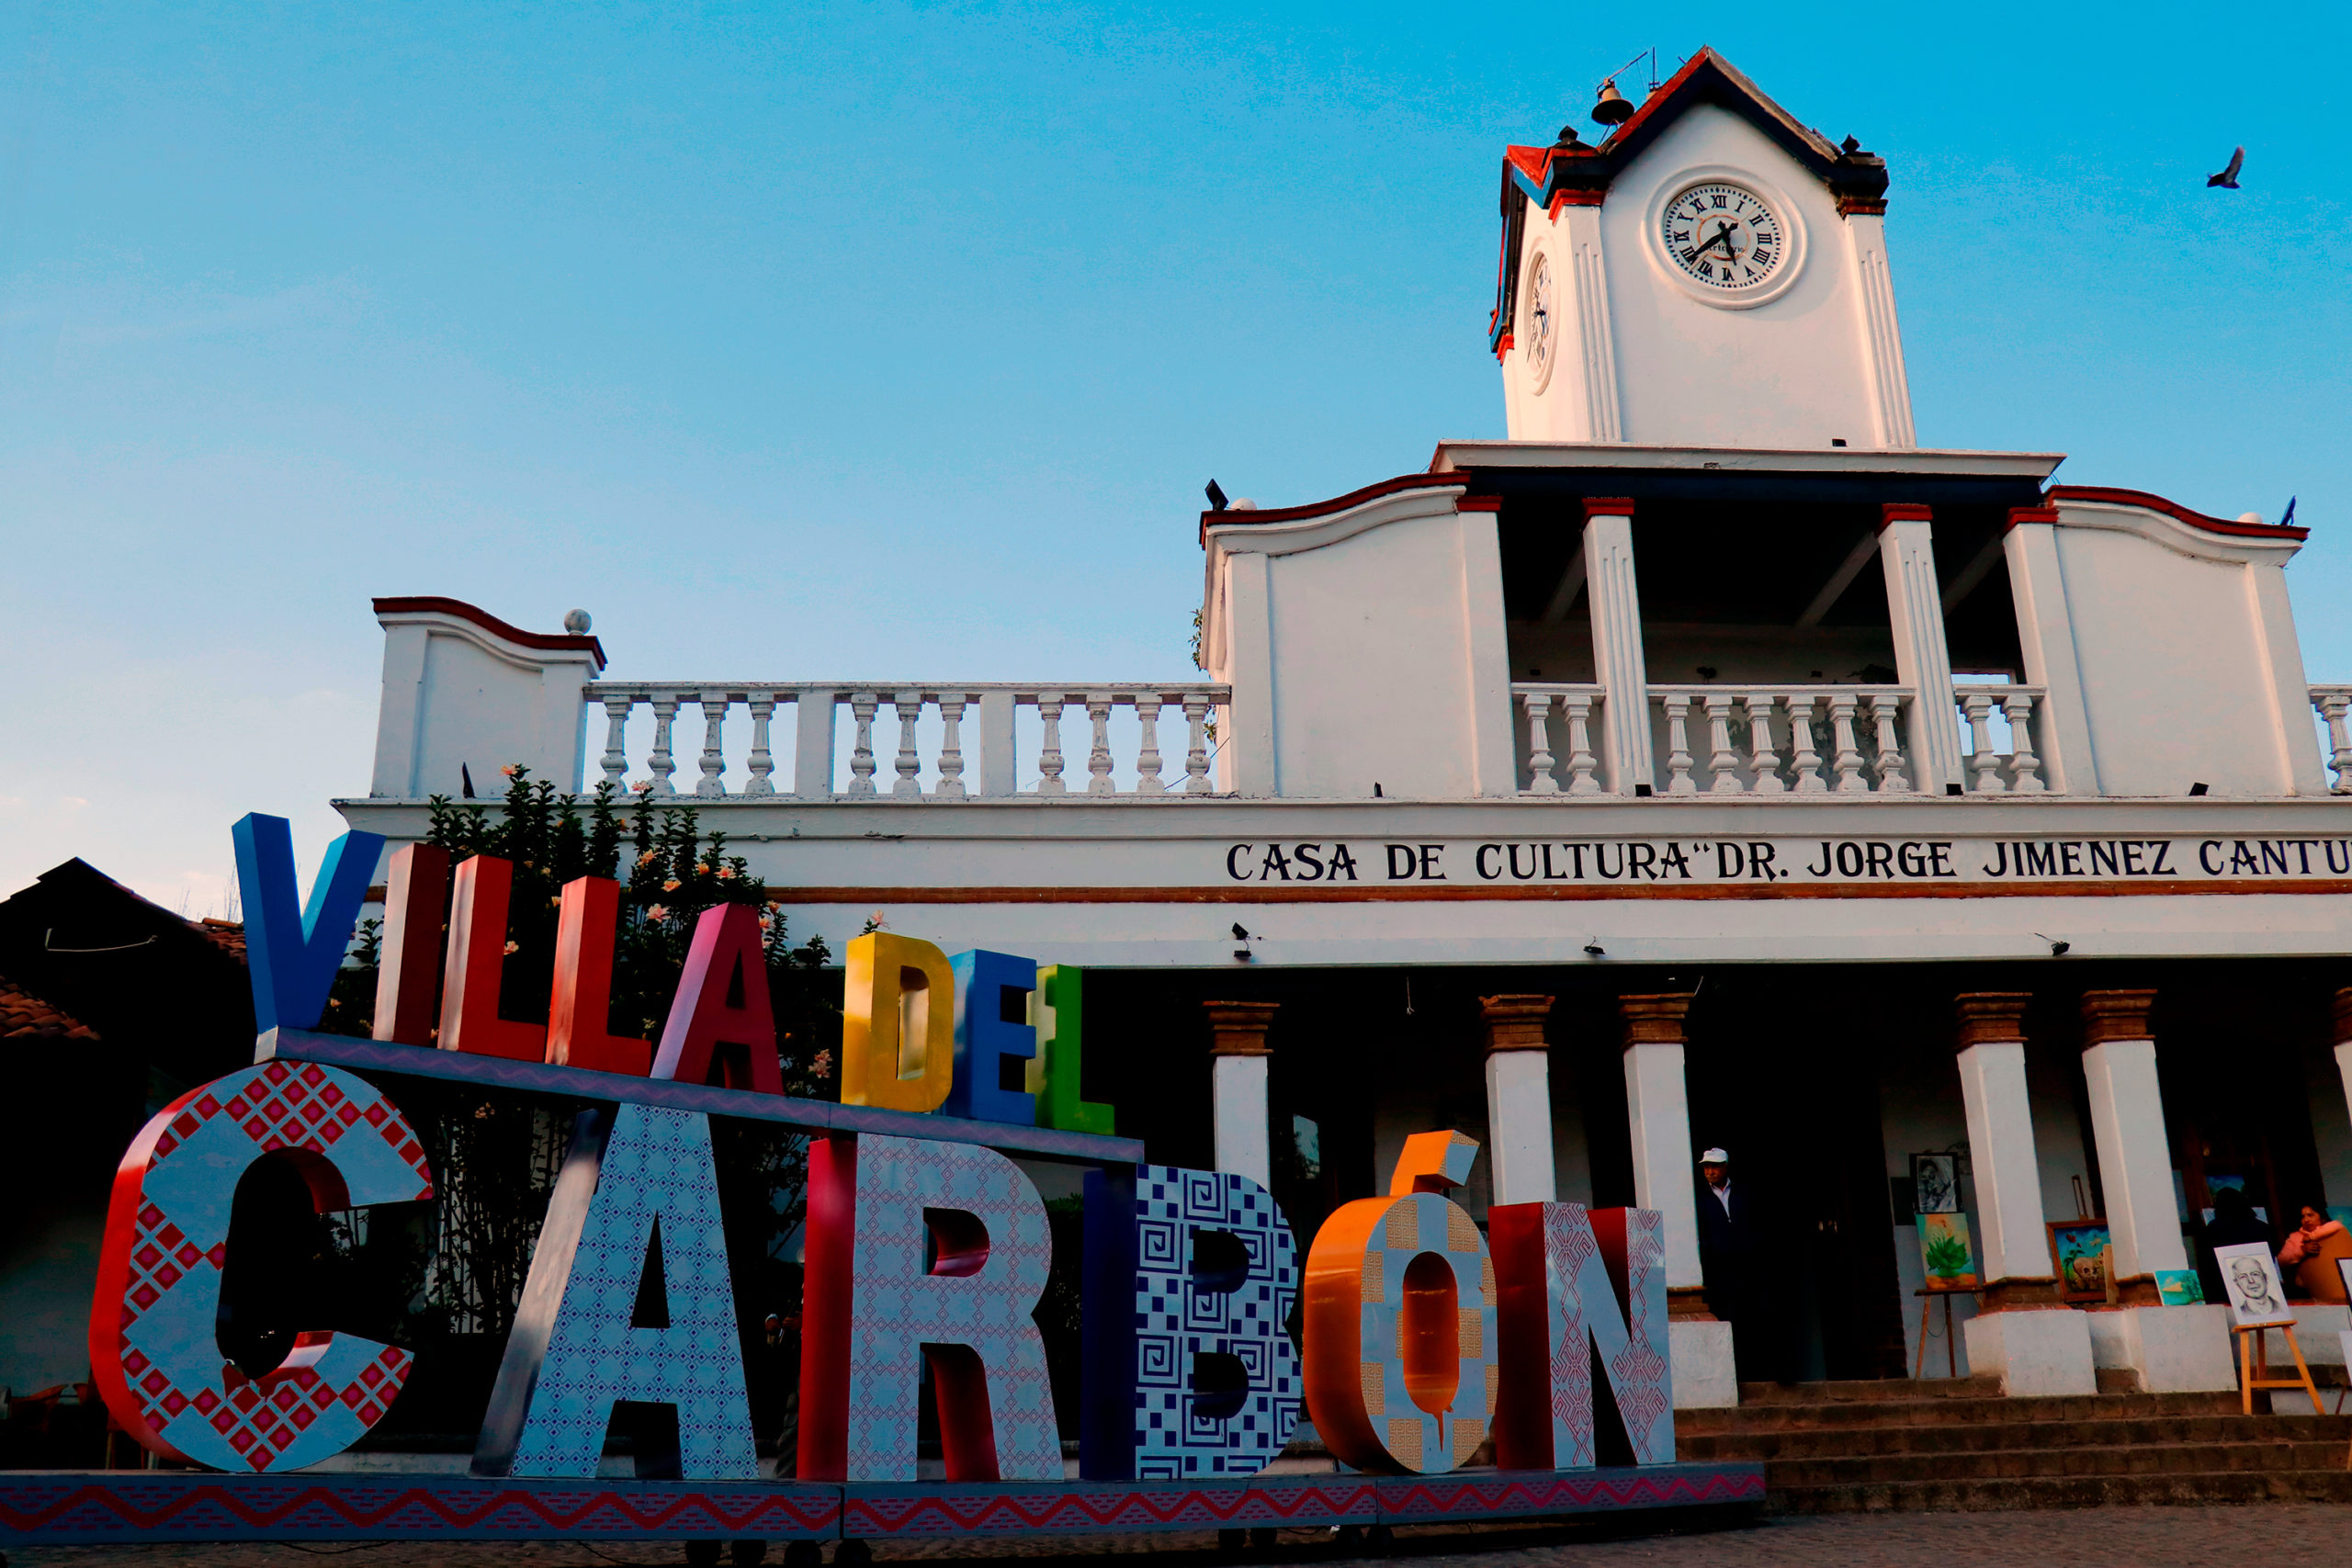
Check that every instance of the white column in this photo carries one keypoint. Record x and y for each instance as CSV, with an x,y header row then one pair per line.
x,y
1519,1099
1238,1053
1246,761
2128,1123
2015,1240
1867,231
1493,758
1657,1110
812,745
2343,1042
1915,607
1613,598
2046,638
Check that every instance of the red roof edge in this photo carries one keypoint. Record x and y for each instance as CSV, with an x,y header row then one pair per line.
x,y
2177,513
432,604
1337,503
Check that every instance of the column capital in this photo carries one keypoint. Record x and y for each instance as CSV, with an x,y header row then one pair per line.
x,y
1655,1019
1903,511
1608,506
1514,1024
1238,1029
1984,1017
2344,1015
2116,1015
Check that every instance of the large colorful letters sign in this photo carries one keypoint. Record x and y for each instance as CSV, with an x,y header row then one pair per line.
x,y
636,1178
874,1308
1191,1276
1575,1283
292,950
1401,1349
154,1348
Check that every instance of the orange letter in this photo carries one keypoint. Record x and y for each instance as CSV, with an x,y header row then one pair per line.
x,y
581,1006
469,1020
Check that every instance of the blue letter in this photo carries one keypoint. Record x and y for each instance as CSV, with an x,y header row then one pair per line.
x,y
987,986
292,959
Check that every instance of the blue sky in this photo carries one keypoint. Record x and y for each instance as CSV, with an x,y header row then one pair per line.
x,y
896,342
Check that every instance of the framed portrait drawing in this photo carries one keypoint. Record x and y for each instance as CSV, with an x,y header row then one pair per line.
x,y
2081,1255
1935,1184
2250,1275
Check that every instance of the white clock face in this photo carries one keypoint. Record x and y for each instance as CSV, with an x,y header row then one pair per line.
x,y
1724,236
1539,330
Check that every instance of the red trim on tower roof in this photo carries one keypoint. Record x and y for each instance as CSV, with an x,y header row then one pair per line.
x,y
1903,511
1479,504
1608,506
2019,515
434,604
1337,503
2060,494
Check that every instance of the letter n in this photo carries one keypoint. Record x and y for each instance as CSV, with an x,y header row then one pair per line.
x,y
1577,1288
874,1312
639,1192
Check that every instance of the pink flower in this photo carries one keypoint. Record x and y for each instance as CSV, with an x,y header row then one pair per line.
x,y
671,885
511,769
821,1063
725,873
648,858
880,918
657,913
512,948
642,785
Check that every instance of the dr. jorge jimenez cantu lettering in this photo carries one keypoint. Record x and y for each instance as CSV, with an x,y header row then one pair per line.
x,y
1754,862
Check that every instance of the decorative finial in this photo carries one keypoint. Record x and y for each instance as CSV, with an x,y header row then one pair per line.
x,y
577,623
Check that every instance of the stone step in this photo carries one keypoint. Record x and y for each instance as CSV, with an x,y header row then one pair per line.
x,y
1897,1411
1868,1391
1935,1438
2010,1464
2071,1492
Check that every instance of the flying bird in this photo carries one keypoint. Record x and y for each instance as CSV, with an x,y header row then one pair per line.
x,y
2228,178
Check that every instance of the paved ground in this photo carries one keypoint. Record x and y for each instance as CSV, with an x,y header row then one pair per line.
x,y
2285,1535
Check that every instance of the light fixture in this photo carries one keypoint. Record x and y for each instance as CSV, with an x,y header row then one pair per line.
x,y
1215,494
2057,949
1594,950
2198,788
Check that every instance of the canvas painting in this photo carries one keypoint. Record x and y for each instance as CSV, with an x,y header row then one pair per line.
x,y
2344,1272
2179,1287
1935,1184
2081,1255
2251,1276
1944,1249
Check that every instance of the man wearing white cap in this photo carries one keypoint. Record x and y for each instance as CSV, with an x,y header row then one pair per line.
x,y
1727,1244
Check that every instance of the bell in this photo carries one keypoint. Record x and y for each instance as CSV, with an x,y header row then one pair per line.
x,y
1612,108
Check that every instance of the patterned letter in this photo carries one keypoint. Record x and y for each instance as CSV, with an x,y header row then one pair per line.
x,y
152,1324
1574,1284
1402,1373
293,955
638,1178
873,1311
1190,1368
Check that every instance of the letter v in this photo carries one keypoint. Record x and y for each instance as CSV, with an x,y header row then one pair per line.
x,y
292,958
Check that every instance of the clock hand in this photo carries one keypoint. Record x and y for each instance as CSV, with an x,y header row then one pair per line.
x,y
1723,238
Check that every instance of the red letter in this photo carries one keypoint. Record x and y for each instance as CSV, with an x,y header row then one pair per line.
x,y
581,1006
720,1020
469,1020
416,893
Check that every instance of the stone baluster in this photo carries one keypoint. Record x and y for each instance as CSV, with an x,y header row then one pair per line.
x,y
1537,707
1722,761
1677,745
1582,764
1848,762
1049,746
909,708
761,762
2025,767
711,786
1761,757
2332,707
1983,762
1893,778
616,750
1097,757
1197,754
1147,780
861,747
660,764
1805,764
951,743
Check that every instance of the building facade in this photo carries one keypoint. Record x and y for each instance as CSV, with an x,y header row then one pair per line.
x,y
1705,765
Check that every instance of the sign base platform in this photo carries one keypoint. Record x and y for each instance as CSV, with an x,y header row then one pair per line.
x,y
106,1507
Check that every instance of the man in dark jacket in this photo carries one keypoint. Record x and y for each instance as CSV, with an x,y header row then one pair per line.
x,y
1728,1246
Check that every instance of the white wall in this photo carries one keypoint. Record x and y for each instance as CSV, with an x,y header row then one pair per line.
x,y
457,693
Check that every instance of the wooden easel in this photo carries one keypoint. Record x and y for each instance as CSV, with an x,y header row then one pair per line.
x,y
1951,1351
2251,1365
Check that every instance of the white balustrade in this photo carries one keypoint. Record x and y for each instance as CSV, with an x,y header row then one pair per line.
x,y
1571,710
2332,703
1123,720
2017,709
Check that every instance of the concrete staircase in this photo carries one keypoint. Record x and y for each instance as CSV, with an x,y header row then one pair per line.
x,y
1904,1445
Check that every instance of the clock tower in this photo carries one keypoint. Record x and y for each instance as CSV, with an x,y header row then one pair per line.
x,y
1713,274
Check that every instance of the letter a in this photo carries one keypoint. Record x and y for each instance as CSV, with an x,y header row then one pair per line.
x,y
636,1178
720,1021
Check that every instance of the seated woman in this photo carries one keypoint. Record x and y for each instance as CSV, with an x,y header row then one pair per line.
x,y
2310,1256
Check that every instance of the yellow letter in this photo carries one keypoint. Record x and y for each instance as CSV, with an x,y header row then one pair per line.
x,y
898,1024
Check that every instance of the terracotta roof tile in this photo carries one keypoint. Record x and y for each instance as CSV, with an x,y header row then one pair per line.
x,y
24,1016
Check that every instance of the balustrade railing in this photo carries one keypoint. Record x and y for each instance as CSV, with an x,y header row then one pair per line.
x,y
1718,740
1119,749
2331,704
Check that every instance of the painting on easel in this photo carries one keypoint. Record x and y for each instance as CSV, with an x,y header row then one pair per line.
x,y
2257,1298
1944,1250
